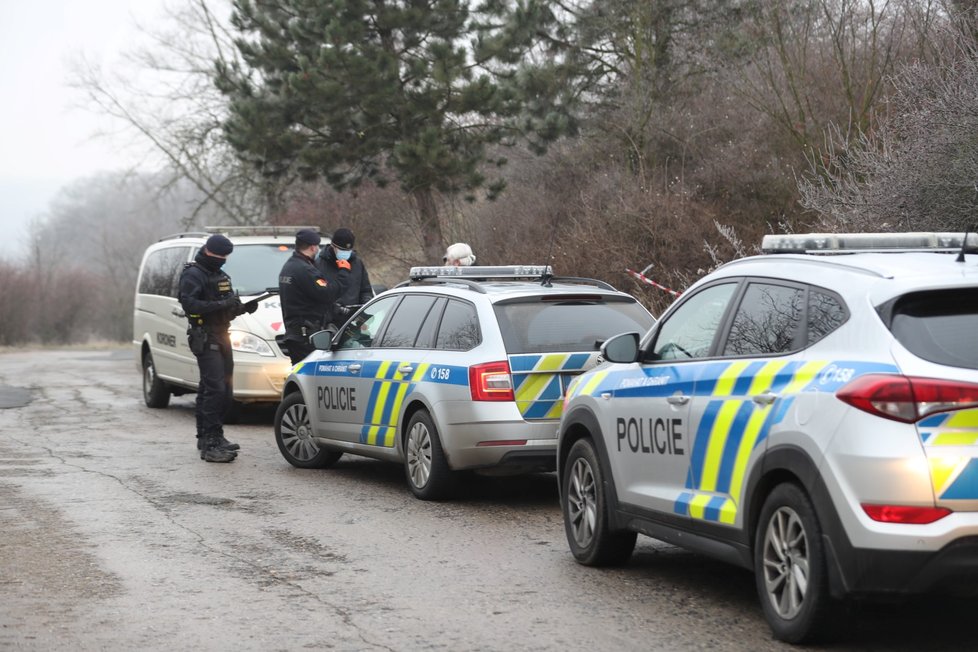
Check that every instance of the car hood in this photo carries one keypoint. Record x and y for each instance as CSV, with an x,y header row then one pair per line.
x,y
266,322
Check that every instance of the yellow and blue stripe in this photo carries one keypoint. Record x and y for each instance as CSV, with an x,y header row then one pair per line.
x,y
951,443
539,381
386,398
732,425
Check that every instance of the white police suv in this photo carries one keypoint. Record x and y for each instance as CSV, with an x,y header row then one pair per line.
x,y
810,413
160,325
460,368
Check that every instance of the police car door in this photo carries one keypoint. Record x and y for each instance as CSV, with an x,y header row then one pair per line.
x,y
741,396
395,367
648,426
345,377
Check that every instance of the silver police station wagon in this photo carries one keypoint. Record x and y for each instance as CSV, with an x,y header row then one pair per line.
x,y
459,368
810,413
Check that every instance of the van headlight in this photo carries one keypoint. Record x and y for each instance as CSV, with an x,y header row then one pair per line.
x,y
249,343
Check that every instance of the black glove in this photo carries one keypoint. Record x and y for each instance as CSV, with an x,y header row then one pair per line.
x,y
342,311
232,304
250,307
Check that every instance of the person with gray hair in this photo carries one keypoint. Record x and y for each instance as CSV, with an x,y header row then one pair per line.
x,y
459,254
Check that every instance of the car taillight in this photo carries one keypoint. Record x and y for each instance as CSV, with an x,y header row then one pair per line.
x,y
491,382
905,514
907,398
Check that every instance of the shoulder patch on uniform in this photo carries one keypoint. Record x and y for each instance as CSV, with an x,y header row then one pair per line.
x,y
321,282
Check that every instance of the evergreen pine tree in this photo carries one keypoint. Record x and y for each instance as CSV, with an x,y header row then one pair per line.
x,y
418,90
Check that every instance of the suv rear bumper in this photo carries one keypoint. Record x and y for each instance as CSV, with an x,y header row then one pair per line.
x,y
952,570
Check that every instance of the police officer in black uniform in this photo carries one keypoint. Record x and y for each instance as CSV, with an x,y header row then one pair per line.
x,y
210,303
339,255
306,294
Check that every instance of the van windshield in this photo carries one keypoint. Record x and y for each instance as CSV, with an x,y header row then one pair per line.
x,y
255,267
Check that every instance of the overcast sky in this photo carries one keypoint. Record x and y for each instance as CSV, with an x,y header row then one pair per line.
x,y
45,142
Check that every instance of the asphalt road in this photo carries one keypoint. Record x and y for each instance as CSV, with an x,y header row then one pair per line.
x,y
115,536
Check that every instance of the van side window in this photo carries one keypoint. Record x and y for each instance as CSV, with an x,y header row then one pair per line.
x,y
161,273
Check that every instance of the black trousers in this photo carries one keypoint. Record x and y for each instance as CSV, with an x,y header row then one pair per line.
x,y
299,349
215,391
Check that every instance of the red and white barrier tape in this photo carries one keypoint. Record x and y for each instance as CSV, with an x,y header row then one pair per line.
x,y
645,279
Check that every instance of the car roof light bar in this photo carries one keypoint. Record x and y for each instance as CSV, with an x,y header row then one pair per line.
x,y
481,272
258,229
830,243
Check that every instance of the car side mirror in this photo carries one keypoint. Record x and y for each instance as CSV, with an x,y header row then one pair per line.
x,y
621,348
323,339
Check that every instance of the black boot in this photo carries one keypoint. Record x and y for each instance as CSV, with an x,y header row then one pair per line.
x,y
212,452
223,444
228,445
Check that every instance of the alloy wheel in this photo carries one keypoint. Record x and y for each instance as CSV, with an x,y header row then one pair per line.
x,y
582,502
297,433
786,562
419,454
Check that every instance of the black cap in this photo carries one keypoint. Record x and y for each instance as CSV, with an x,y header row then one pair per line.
x,y
343,238
219,245
307,237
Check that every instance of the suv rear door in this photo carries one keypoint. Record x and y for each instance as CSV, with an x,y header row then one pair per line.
x,y
938,329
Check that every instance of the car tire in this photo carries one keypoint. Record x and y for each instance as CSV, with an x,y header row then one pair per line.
x,y
293,434
425,464
790,569
584,503
156,393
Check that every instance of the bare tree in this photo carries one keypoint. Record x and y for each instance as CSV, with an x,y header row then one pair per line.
x,y
822,61
164,95
918,170
85,253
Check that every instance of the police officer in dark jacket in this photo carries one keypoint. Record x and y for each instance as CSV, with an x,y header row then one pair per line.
x,y
306,294
210,303
357,290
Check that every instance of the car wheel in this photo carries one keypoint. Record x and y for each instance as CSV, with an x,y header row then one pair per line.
x,y
584,502
790,570
156,393
293,434
425,465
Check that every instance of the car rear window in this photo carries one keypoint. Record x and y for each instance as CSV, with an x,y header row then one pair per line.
x,y
939,326
552,324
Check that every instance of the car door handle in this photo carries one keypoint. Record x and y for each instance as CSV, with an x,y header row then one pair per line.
x,y
406,369
354,368
765,399
606,395
677,399
177,312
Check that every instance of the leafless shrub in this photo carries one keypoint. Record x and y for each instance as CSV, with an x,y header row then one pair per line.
x,y
17,291
918,170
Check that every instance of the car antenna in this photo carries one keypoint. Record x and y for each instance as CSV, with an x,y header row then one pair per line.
x,y
545,278
964,243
